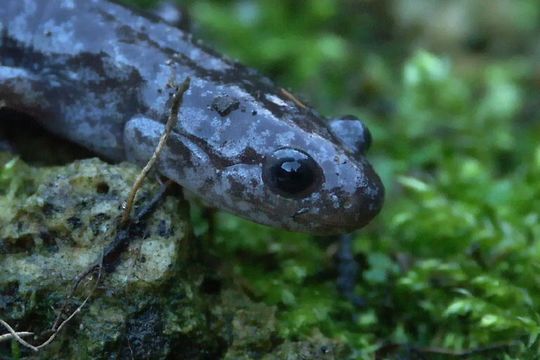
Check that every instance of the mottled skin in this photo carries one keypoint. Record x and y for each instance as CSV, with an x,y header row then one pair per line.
x,y
100,74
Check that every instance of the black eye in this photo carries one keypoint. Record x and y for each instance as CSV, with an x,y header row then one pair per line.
x,y
291,173
352,133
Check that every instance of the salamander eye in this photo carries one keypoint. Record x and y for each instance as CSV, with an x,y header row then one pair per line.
x,y
291,173
352,133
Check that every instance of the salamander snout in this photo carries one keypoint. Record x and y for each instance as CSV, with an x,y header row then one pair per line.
x,y
324,185
351,193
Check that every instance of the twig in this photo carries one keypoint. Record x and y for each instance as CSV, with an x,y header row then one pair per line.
x,y
122,238
171,122
126,234
293,98
97,266
130,349
9,336
68,319
115,248
15,336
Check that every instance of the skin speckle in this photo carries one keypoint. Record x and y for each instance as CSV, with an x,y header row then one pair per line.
x,y
224,105
276,100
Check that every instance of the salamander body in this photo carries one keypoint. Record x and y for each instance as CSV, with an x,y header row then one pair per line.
x,y
102,75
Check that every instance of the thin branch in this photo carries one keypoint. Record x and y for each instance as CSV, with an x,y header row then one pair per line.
x,y
293,98
15,335
77,310
9,336
119,240
171,122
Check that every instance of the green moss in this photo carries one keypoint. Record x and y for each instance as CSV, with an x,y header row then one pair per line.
x,y
451,261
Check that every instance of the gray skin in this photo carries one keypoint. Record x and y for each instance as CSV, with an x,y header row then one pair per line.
x,y
102,75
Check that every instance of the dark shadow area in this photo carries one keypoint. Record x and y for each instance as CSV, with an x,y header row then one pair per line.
x,y
22,135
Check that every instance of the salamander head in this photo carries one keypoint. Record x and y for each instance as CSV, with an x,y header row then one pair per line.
x,y
338,194
286,168
321,185
340,191
289,167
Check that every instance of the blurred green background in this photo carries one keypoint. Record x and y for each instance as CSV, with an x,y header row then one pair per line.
x,y
451,92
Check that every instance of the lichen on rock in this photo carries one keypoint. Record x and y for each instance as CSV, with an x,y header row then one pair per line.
x,y
57,230
61,228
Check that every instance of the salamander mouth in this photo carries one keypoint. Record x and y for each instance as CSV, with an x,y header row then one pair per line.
x,y
332,226
341,220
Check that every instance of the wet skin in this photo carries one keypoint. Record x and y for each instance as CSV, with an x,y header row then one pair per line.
x,y
102,75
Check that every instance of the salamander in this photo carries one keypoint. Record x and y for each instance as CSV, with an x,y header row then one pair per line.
x,y
102,75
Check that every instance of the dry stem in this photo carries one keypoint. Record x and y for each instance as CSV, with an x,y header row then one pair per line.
x,y
171,122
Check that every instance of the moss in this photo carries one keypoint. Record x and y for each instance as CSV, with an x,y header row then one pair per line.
x,y
451,261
